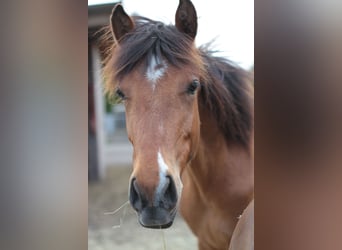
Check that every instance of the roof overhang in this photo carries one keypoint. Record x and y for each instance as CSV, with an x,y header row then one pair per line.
x,y
98,15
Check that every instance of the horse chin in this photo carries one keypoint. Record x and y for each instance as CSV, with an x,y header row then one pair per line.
x,y
158,226
156,218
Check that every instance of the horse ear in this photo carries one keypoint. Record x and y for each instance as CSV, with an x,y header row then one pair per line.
x,y
121,23
186,18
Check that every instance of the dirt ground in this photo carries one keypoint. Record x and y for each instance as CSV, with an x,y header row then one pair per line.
x,y
105,231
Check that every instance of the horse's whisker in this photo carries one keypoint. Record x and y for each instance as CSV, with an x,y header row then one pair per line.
x,y
174,209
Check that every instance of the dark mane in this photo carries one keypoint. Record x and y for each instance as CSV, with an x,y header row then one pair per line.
x,y
227,93
225,88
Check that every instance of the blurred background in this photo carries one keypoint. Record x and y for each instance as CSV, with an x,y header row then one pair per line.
x,y
231,24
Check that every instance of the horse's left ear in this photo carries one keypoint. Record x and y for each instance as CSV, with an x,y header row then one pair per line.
x,y
186,18
121,23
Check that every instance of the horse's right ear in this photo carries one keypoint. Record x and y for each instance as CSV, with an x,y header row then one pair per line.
x,y
120,22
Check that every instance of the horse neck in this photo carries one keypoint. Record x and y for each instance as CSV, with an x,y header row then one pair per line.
x,y
220,169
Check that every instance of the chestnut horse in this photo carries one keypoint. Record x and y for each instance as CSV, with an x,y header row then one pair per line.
x,y
190,120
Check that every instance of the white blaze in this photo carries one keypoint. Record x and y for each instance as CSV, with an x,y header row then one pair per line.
x,y
162,172
155,70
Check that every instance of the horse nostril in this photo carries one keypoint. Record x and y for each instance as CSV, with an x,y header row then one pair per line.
x,y
166,197
134,195
170,194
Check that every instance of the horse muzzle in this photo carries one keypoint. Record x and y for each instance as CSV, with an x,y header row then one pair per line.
x,y
156,217
159,210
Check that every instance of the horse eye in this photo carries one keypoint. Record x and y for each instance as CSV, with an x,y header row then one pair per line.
x,y
192,87
120,94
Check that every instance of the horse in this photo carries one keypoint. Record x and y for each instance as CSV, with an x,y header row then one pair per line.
x,y
189,117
